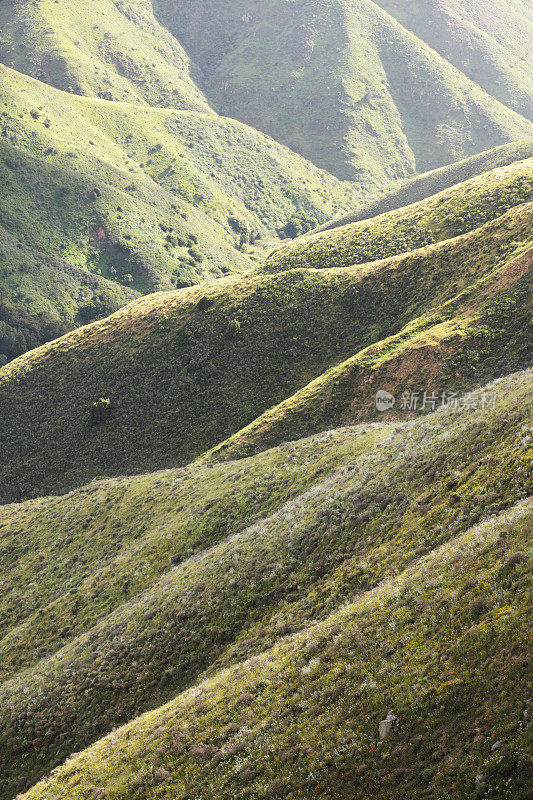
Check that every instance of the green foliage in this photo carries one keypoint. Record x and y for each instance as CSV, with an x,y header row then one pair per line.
x,y
20,331
431,183
356,92
297,225
372,591
101,410
234,328
114,216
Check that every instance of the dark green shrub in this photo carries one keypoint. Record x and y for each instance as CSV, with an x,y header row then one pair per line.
x,y
101,410
204,303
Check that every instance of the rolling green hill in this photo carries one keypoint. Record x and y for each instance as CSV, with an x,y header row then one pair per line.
x,y
105,200
290,555
431,183
346,84
349,86
185,370
451,213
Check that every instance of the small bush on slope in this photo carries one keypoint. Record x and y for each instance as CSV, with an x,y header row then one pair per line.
x,y
342,537
301,720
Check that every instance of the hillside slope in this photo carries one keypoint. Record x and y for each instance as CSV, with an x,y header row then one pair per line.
x,y
185,370
303,718
431,183
448,214
116,52
101,193
271,560
348,85
372,101
489,42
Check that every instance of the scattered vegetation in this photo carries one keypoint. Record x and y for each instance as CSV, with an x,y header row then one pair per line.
x,y
336,601
372,324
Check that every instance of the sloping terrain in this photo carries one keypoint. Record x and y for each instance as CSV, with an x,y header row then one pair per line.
x,y
482,333
265,507
344,83
122,179
118,51
431,183
489,42
364,537
185,370
302,719
348,85
103,198
451,213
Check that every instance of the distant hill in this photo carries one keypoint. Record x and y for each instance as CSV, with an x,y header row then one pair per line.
x,y
353,88
123,179
112,50
372,93
488,42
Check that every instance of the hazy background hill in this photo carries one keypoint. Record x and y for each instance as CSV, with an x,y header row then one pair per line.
x,y
351,87
137,184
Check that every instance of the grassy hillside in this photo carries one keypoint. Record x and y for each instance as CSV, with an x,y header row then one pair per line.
x,y
491,43
430,183
450,213
183,371
113,50
482,333
372,102
350,88
335,553
302,719
228,568
104,198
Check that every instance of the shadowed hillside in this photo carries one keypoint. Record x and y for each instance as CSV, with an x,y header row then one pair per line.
x,y
270,559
